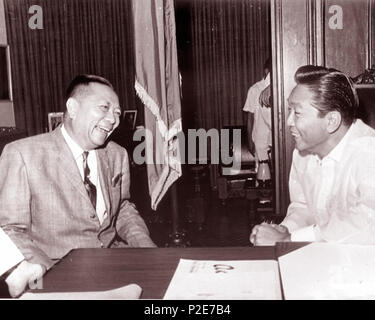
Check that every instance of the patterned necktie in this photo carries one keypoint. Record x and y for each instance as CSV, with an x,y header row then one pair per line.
x,y
90,187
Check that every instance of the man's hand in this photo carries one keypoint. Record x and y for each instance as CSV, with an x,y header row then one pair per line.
x,y
268,234
24,274
265,98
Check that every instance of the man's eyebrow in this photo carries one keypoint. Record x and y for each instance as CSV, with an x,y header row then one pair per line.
x,y
109,103
292,103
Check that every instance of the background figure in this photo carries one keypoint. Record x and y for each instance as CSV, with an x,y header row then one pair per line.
x,y
69,188
259,124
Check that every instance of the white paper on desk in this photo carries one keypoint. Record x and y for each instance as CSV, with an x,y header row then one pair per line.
x,y
239,279
131,291
10,255
329,271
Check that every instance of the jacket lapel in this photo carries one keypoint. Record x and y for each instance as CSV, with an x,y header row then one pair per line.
x,y
104,173
68,164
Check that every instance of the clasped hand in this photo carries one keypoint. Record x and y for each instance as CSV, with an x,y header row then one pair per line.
x,y
24,274
266,234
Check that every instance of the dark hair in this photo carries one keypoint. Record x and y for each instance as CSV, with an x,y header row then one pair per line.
x,y
268,64
332,91
84,80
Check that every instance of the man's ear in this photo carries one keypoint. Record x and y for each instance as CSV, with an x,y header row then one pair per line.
x,y
334,120
71,107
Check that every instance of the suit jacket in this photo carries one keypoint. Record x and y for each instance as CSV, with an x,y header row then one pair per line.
x,y
44,206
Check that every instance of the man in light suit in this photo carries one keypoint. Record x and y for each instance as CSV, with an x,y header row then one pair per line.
x,y
70,188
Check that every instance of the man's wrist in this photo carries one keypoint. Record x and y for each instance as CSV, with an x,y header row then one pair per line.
x,y
304,234
288,237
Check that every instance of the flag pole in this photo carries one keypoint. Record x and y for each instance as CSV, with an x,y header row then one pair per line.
x,y
157,84
177,238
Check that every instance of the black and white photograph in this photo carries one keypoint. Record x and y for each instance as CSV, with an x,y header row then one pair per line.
x,y
54,120
196,152
130,118
4,72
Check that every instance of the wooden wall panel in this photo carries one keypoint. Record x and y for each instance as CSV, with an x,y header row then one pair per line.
x,y
3,33
6,106
290,49
346,49
371,19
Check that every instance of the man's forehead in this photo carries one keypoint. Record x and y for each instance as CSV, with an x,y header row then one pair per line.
x,y
100,87
299,95
100,91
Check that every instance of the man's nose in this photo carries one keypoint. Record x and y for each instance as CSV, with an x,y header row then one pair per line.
x,y
290,119
111,117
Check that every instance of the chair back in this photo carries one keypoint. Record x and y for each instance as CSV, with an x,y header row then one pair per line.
x,y
240,152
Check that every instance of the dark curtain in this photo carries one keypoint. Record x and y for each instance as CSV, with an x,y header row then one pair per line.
x,y
222,45
230,42
78,36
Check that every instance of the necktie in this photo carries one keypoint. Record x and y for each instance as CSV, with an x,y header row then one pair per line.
x,y
90,187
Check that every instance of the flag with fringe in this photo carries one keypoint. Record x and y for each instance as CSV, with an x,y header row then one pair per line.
x,y
157,84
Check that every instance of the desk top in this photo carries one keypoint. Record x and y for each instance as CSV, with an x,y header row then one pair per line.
x,y
150,268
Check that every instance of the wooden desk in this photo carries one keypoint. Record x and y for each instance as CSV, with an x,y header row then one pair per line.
x,y
150,268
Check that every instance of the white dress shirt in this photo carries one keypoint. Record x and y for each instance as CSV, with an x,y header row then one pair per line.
x,y
10,254
93,166
262,134
333,199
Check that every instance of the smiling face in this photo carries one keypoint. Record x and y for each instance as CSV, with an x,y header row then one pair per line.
x,y
94,114
309,129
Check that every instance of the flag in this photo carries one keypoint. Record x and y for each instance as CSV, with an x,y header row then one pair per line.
x,y
157,85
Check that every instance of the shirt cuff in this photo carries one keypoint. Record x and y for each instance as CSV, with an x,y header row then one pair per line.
x,y
304,234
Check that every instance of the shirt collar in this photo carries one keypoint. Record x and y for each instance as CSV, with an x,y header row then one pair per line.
x,y
337,151
267,79
73,146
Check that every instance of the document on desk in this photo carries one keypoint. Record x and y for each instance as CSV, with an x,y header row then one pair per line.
x,y
238,279
131,291
9,253
329,271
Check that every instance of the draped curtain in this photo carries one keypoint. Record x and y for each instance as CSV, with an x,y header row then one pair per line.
x,y
230,42
221,55
78,36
